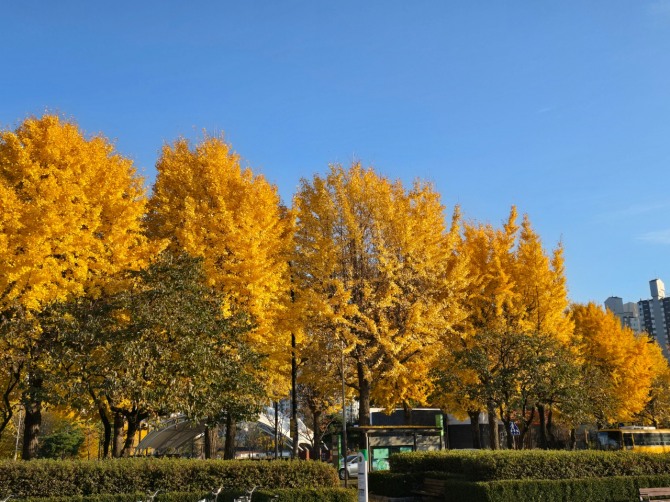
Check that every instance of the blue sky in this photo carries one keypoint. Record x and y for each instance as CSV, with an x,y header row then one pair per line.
x,y
562,108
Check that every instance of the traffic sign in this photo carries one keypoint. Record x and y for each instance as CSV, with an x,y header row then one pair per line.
x,y
514,429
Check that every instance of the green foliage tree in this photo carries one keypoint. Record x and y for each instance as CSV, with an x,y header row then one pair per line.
x,y
162,346
63,442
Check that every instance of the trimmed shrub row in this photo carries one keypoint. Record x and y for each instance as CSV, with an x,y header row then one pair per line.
x,y
282,495
448,461
307,495
613,489
393,484
533,464
51,478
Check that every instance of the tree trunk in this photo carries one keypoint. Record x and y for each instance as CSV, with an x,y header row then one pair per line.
x,y
364,396
107,431
550,429
474,428
117,445
231,430
211,441
493,425
507,422
407,412
318,435
33,419
364,411
525,427
133,426
573,439
542,439
13,379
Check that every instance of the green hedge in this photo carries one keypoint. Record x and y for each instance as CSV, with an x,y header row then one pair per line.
x,y
283,495
54,478
489,465
126,497
450,461
613,489
307,495
393,484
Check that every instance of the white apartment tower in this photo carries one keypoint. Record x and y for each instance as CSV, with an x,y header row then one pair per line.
x,y
627,313
655,315
651,316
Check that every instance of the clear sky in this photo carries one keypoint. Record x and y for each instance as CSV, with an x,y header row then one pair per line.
x,y
562,108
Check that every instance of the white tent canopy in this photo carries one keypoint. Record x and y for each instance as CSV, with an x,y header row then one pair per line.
x,y
179,431
172,434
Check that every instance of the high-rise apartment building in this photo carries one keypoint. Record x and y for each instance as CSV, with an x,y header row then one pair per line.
x,y
651,316
627,312
655,315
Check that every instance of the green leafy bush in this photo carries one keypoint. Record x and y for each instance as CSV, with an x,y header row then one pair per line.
x,y
450,461
307,495
50,478
537,464
533,464
283,495
124,497
393,484
64,442
613,489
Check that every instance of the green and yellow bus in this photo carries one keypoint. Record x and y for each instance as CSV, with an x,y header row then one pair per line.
x,y
644,439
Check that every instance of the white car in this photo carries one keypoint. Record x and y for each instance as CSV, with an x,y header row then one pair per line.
x,y
352,467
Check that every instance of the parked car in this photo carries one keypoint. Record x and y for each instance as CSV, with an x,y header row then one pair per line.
x,y
352,467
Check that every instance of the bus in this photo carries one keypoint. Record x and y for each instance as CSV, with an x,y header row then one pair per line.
x,y
635,438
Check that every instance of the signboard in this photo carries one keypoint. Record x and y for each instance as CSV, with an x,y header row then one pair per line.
x,y
363,476
439,422
514,429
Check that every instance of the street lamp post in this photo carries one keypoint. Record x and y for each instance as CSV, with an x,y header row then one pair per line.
x,y
344,424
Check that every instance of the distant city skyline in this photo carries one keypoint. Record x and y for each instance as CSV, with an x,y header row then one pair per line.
x,y
560,109
650,315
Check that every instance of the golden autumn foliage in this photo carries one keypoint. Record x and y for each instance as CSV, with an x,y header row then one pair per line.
x,y
376,274
205,204
542,295
469,316
490,286
70,225
657,410
516,318
513,284
620,366
71,213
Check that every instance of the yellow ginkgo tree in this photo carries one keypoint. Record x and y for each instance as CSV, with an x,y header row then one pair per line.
x,y
516,319
377,277
620,367
206,204
70,225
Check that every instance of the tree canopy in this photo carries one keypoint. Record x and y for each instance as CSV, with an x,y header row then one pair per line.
x,y
198,299
207,205
375,270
